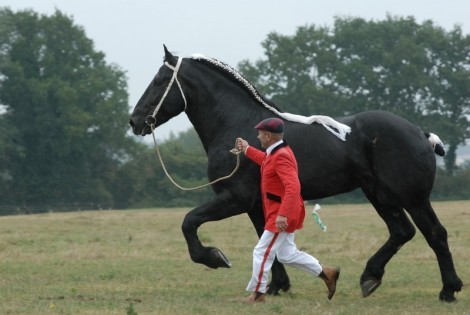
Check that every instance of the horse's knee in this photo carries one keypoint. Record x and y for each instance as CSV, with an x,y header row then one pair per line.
x,y
190,223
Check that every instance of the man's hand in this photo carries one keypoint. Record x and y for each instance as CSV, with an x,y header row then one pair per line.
x,y
281,223
242,144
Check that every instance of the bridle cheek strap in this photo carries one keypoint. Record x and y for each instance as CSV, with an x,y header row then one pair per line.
x,y
170,84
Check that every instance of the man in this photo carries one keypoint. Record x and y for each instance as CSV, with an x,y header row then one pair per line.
x,y
284,211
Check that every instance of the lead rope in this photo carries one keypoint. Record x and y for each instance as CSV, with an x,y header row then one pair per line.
x,y
233,151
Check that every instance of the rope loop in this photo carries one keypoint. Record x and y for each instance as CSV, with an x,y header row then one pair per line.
x,y
234,151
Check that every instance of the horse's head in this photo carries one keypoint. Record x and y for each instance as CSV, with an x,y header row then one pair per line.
x,y
162,100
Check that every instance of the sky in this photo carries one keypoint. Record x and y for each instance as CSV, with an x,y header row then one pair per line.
x,y
131,33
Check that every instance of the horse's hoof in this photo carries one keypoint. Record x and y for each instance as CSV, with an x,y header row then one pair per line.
x,y
273,289
219,259
448,291
447,296
369,286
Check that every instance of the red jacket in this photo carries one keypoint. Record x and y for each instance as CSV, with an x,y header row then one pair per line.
x,y
280,187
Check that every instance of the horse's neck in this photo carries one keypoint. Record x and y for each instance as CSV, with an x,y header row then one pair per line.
x,y
221,110
221,120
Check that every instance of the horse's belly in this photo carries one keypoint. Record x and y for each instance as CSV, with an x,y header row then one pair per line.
x,y
331,184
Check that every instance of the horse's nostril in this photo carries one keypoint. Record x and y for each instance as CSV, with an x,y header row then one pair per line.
x,y
131,122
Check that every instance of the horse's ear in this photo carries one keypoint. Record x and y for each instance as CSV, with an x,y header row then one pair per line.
x,y
169,57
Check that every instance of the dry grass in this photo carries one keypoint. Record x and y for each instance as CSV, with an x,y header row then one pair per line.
x,y
118,262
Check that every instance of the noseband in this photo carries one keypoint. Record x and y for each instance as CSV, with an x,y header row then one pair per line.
x,y
150,119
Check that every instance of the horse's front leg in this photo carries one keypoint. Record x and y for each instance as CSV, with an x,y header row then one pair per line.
x,y
224,205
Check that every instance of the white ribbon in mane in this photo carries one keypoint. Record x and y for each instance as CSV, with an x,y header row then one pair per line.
x,y
335,127
338,129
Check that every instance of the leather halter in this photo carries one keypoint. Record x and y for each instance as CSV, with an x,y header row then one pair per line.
x,y
150,119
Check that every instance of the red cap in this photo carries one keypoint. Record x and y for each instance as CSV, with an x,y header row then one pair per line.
x,y
274,125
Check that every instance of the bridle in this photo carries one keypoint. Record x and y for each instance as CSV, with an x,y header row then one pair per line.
x,y
151,120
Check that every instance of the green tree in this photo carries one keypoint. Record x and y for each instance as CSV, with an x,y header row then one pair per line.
x,y
290,74
66,108
418,71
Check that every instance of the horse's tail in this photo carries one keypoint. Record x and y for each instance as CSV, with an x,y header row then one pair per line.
x,y
436,143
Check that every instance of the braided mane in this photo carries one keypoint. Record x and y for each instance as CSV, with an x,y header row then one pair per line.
x,y
234,74
338,129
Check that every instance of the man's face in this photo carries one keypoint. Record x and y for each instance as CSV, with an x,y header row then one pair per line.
x,y
265,138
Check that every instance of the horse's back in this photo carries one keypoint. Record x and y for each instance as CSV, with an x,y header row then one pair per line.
x,y
390,134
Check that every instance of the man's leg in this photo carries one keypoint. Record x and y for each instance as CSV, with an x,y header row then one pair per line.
x,y
263,258
289,254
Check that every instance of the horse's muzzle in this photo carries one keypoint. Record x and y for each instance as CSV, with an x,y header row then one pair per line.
x,y
135,129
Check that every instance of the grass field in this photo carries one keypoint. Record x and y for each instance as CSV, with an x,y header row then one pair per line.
x,y
136,262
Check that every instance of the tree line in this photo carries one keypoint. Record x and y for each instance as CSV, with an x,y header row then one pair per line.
x,y
64,134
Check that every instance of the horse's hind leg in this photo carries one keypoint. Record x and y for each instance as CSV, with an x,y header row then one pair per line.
x,y
280,279
401,230
435,234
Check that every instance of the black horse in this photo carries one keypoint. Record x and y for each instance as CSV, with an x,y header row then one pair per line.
x,y
386,156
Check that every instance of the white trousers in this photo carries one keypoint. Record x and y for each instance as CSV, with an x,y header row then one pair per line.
x,y
283,246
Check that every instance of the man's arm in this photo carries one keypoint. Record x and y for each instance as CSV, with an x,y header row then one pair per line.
x,y
252,153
